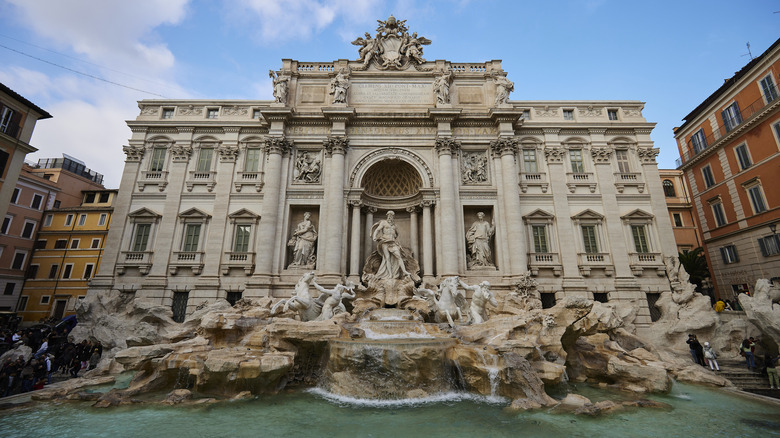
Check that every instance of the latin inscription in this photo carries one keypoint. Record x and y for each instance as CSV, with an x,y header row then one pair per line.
x,y
390,130
312,94
403,93
470,95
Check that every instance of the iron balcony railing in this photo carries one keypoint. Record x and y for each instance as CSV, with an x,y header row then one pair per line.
x,y
734,122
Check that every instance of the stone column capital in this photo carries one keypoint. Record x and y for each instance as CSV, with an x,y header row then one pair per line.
x,y
601,155
504,146
277,145
447,145
554,154
335,145
647,155
134,153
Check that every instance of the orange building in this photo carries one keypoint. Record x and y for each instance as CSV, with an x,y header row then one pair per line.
x,y
685,225
67,255
730,149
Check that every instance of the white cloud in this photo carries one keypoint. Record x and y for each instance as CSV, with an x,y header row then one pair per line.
x,y
280,21
112,32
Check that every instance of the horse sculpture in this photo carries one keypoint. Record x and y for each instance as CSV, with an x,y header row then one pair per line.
x,y
308,307
447,302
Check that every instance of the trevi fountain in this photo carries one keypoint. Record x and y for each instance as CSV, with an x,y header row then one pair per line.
x,y
458,343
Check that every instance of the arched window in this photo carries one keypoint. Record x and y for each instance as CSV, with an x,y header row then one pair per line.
x,y
669,188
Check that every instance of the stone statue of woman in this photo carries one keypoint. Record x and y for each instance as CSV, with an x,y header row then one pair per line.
x,y
478,238
302,241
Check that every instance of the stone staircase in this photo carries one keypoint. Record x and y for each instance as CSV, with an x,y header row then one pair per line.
x,y
746,380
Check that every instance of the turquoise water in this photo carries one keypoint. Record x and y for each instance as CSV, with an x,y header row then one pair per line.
x,y
696,412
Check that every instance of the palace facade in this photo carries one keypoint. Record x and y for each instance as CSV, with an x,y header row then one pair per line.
x,y
214,191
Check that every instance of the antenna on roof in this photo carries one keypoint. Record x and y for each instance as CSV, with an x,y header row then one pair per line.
x,y
749,53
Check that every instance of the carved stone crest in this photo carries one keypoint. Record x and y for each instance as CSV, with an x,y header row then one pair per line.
x,y
392,47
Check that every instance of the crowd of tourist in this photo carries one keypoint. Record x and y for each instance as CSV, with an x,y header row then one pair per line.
x,y
705,355
54,354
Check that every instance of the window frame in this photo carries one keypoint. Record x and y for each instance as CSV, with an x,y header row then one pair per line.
x,y
193,233
769,245
67,271
729,254
677,220
93,245
82,220
731,116
137,245
157,163
89,271
669,190
718,213
743,156
167,113
707,176
212,113
36,203
530,165
623,160
203,164
14,264
698,141
32,230
580,161
250,159
6,226
756,195
768,86
15,195
612,115
540,242
102,219
568,114
74,244
54,270
69,220
245,240
48,220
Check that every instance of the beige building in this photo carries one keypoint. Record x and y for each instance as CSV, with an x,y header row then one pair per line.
x,y
213,196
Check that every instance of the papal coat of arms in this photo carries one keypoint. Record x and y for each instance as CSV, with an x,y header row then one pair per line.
x,y
392,47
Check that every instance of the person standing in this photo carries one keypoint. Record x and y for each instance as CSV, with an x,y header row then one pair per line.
x,y
771,371
746,350
697,352
711,357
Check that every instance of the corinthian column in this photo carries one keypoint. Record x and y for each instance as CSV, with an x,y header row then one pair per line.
x,y
335,205
354,255
427,228
275,148
448,261
518,257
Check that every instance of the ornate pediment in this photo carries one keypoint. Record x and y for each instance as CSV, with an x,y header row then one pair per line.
x,y
391,47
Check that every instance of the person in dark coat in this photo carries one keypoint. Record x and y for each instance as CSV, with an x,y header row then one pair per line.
x,y
697,351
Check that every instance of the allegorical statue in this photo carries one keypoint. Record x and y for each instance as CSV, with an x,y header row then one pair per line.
x,y
302,241
478,238
339,86
441,88
368,48
307,168
280,86
481,297
503,87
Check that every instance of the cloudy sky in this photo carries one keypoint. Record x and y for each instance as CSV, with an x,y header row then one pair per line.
x,y
88,62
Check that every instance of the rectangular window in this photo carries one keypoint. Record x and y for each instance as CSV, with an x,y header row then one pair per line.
x,y
45,299
769,88
698,141
95,243
757,199
40,244
212,113
742,156
22,304
157,162
6,225
103,198
568,114
622,161
141,236
36,202
678,222
102,219
252,163
204,159
706,172
613,114
7,120
29,229
167,113
241,241
19,258
179,305
640,238
32,271
770,245
731,117
74,244
60,244
729,254
47,221
529,160
540,238
82,220
575,156
9,288
68,220
53,270
15,195
191,238
720,215
67,270
256,114
88,268
89,198
589,241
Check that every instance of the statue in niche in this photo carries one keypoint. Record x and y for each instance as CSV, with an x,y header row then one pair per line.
x,y
307,168
441,87
478,238
385,234
368,47
481,297
503,87
474,168
280,86
302,242
339,86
